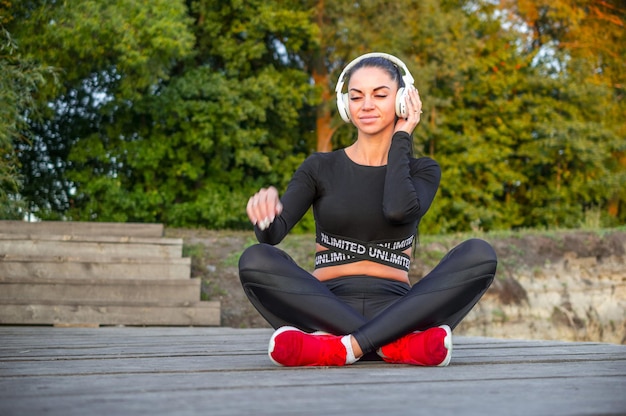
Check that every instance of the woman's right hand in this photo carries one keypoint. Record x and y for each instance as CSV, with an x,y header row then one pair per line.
x,y
263,207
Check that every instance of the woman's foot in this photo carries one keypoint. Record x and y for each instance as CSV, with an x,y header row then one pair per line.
x,y
432,347
292,347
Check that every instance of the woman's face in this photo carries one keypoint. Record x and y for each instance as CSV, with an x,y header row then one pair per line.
x,y
372,99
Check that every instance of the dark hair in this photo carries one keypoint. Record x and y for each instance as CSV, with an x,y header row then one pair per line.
x,y
382,63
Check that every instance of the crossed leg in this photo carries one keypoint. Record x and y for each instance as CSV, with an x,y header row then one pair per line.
x,y
287,295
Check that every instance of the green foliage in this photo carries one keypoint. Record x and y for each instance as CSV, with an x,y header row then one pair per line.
x,y
226,125
108,55
20,80
176,111
519,145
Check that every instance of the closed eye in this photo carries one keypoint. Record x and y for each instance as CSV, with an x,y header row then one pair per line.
x,y
381,92
358,97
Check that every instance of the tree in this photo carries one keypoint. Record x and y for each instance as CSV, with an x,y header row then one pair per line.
x,y
585,42
521,143
171,114
498,119
20,80
107,54
176,112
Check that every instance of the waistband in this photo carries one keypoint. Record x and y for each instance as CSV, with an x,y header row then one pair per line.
x,y
343,250
365,283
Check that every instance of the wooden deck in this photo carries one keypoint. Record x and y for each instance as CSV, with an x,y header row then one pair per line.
x,y
223,371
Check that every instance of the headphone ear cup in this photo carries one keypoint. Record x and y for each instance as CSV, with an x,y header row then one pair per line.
x,y
401,103
343,107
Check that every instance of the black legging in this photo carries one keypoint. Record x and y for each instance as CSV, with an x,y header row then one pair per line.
x,y
286,294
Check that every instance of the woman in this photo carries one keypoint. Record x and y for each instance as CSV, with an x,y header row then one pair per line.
x,y
367,199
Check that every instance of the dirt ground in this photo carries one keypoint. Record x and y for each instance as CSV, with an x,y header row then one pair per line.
x,y
529,262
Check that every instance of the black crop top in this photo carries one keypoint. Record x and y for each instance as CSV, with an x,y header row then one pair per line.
x,y
361,212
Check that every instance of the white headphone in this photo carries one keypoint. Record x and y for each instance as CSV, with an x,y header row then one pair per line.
x,y
343,98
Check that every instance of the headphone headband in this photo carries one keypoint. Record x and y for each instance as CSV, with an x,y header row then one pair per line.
x,y
342,99
407,77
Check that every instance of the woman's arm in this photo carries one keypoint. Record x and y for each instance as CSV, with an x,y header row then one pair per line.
x,y
274,217
410,184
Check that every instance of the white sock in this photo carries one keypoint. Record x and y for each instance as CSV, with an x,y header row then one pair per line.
x,y
350,358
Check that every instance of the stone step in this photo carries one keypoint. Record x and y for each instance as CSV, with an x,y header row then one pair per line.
x,y
98,290
93,267
95,314
79,246
82,228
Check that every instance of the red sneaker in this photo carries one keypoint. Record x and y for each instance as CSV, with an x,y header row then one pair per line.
x,y
432,347
292,347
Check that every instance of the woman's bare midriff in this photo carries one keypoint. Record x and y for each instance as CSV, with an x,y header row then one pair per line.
x,y
364,267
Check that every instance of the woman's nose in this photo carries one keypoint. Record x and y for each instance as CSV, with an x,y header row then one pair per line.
x,y
368,102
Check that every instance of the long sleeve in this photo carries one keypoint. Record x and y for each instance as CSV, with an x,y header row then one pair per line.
x,y
410,184
296,200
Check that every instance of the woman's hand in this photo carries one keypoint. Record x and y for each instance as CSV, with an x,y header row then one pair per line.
x,y
263,207
414,112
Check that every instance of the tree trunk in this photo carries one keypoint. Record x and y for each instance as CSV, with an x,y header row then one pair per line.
x,y
322,80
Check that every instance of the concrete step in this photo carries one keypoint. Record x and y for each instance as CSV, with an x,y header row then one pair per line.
x,y
95,314
93,267
84,246
98,290
82,228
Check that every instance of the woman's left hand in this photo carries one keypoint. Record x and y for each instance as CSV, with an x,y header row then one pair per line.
x,y
414,112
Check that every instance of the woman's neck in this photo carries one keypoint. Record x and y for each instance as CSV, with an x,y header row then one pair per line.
x,y
369,151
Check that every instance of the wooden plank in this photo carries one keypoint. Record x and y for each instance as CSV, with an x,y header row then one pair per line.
x,y
94,267
192,314
149,344
80,246
82,228
168,394
92,238
225,371
121,291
